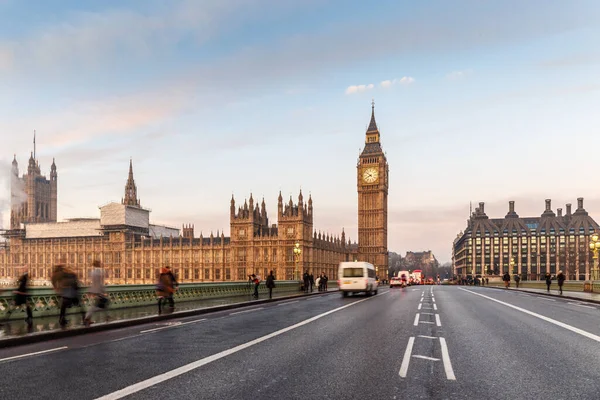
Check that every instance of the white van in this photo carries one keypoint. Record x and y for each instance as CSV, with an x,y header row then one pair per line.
x,y
357,277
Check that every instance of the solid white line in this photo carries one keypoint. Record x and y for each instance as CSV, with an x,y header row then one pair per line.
x,y
434,307
406,360
288,302
33,354
426,358
426,322
542,317
420,305
581,305
428,337
427,313
119,394
446,361
437,320
175,325
417,319
428,308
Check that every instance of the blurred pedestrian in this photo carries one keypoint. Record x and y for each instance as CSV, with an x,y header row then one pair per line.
x,y
270,284
165,289
560,278
548,281
21,298
96,293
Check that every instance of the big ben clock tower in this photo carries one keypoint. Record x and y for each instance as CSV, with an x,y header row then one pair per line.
x,y
372,183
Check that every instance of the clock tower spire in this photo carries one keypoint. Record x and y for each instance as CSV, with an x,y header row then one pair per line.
x,y
372,184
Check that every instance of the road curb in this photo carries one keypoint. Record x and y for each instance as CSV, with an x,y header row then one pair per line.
x,y
60,334
547,294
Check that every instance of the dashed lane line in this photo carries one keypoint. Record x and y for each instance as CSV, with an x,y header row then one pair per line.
x,y
426,358
437,320
37,353
420,305
406,360
288,302
177,324
542,317
446,360
584,306
428,337
435,307
416,323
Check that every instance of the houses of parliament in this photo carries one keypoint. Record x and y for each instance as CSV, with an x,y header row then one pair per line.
x,y
132,249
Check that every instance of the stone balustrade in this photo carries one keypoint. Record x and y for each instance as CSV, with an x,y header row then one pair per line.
x,y
45,302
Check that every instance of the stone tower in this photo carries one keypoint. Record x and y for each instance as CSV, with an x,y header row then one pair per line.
x,y
33,197
372,183
130,198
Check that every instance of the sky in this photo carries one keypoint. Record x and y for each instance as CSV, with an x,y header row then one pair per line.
x,y
475,101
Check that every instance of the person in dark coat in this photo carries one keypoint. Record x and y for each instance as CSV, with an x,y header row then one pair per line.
x,y
506,279
548,281
270,284
560,278
306,280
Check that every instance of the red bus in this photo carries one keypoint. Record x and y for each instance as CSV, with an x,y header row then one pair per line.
x,y
418,276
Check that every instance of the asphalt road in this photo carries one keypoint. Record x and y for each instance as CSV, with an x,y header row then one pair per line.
x,y
440,342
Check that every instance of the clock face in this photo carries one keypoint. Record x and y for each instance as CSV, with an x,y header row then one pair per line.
x,y
370,175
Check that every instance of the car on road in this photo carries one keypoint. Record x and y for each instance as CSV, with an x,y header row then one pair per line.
x,y
356,277
395,282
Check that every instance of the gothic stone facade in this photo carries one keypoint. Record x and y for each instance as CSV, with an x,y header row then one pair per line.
x,y
132,250
528,246
372,184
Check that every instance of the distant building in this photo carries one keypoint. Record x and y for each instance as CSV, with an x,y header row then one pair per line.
x,y
33,197
528,246
423,260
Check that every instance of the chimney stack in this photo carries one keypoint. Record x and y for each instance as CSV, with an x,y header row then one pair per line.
x,y
511,206
568,209
481,209
548,205
559,210
580,203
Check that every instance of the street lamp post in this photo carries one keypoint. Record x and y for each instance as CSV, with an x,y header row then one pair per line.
x,y
595,246
297,252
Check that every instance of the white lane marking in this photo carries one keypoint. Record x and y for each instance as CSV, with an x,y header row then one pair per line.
x,y
288,302
428,308
581,305
33,354
426,358
175,325
542,317
417,319
406,360
426,322
246,311
544,298
437,320
312,298
446,361
119,394
428,337
434,307
427,313
420,305
433,299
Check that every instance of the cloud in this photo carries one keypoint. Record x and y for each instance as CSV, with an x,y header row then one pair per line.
x,y
571,60
405,80
359,88
457,75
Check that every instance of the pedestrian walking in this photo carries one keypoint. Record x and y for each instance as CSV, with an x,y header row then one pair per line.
x,y
548,281
165,288
256,282
306,280
21,295
506,279
270,283
66,285
96,294
311,281
560,278
517,280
